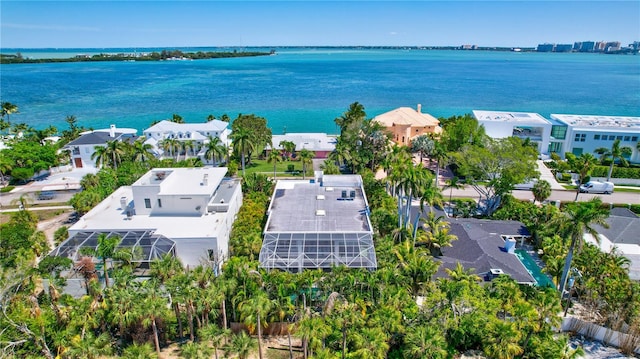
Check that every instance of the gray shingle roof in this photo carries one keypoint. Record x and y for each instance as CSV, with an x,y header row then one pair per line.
x,y
94,138
624,227
481,247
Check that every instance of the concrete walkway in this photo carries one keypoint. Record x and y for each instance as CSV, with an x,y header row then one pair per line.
x,y
545,174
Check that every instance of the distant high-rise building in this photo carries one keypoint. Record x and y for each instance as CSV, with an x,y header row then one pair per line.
x,y
577,46
587,46
545,47
612,46
564,48
600,46
635,45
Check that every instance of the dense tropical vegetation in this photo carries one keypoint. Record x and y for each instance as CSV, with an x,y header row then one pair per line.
x,y
401,310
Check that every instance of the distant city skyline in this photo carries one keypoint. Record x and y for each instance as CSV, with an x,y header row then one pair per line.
x,y
104,23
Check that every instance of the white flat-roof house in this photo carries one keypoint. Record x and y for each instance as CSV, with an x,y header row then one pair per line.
x,y
319,223
320,143
585,133
196,132
501,124
188,212
82,148
563,134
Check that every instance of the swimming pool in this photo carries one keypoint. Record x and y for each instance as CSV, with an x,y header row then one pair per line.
x,y
532,267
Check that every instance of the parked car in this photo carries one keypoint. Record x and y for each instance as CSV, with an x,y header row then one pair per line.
x,y
597,187
46,195
526,186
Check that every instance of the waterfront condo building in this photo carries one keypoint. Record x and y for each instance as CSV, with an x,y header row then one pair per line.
x,y
501,124
580,134
563,134
405,123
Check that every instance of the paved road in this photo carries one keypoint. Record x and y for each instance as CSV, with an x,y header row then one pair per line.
x,y
557,195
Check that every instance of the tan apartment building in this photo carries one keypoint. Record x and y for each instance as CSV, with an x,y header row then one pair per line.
x,y
405,123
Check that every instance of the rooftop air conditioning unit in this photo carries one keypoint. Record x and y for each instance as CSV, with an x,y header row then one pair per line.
x,y
320,212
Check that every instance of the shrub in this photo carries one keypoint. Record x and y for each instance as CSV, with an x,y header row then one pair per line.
x,y
618,172
7,189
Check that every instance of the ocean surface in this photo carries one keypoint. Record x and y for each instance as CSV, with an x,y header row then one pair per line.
x,y
305,89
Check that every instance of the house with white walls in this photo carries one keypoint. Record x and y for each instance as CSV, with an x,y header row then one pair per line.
x,y
185,212
197,134
82,148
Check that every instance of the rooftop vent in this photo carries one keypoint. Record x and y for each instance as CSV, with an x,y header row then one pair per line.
x,y
320,197
496,271
320,212
329,189
205,180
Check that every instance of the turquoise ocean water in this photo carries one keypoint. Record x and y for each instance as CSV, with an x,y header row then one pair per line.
x,y
305,89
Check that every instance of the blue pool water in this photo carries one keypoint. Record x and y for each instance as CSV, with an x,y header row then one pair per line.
x,y
533,269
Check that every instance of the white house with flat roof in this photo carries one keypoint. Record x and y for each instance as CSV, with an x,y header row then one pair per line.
x,y
501,124
319,223
320,143
586,133
198,133
187,212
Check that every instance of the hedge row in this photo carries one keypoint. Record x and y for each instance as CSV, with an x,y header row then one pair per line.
x,y
618,172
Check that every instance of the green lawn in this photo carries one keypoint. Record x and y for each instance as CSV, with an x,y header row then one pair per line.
x,y
264,167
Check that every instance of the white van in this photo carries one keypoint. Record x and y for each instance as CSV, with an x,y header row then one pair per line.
x,y
597,187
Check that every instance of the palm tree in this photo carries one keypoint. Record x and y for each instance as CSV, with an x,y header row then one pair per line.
x,y
216,336
105,250
141,151
616,153
242,142
425,341
503,342
451,183
256,308
177,118
306,158
579,218
275,157
188,145
241,344
100,156
151,306
111,154
289,147
214,149
7,109
582,165
5,167
541,190
211,118
139,351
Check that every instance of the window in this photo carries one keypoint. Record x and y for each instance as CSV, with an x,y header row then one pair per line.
x,y
580,137
159,203
147,203
634,138
596,137
619,138
611,137
559,132
627,138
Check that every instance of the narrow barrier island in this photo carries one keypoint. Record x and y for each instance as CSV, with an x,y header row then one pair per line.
x,y
164,55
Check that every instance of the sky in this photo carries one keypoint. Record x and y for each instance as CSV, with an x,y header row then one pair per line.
x,y
185,23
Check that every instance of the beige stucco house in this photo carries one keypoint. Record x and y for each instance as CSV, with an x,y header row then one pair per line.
x,y
405,123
